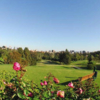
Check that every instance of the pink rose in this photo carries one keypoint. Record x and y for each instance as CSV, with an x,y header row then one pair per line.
x,y
41,83
55,80
4,82
52,92
79,91
16,66
24,94
60,94
30,94
99,91
45,83
70,85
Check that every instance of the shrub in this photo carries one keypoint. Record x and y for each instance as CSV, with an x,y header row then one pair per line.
x,y
1,60
24,62
13,57
91,65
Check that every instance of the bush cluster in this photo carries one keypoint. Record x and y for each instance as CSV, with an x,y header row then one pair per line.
x,y
25,56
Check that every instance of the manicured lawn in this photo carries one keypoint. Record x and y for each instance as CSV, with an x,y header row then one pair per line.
x,y
80,63
63,72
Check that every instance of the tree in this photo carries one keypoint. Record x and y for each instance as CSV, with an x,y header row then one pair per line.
x,y
76,56
81,57
1,61
13,56
27,54
61,56
90,64
65,57
56,56
39,56
46,56
90,58
33,58
3,54
20,50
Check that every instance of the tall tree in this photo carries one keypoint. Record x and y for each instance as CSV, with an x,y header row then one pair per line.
x,y
27,54
76,56
20,50
90,58
33,58
13,56
65,57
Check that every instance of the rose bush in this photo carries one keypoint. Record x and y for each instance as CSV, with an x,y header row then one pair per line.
x,y
17,88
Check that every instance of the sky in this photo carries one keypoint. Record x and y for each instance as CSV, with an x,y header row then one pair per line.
x,y
50,24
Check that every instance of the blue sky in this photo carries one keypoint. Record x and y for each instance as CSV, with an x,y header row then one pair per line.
x,y
50,24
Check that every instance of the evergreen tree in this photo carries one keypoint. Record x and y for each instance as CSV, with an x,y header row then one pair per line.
x,y
27,54
65,57
20,50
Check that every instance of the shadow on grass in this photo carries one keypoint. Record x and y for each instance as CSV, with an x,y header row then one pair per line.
x,y
83,68
82,64
51,62
68,67
66,83
70,77
98,67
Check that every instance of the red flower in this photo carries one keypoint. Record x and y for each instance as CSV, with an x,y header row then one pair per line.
x,y
60,94
30,94
52,92
16,66
41,83
79,91
70,85
45,83
55,80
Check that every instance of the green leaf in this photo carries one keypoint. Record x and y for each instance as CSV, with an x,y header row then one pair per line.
x,y
23,83
26,92
46,94
36,98
20,95
13,95
29,98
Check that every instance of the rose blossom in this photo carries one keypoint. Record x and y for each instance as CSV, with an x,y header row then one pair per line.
x,y
41,83
70,85
79,91
16,66
30,94
52,92
45,83
55,80
60,93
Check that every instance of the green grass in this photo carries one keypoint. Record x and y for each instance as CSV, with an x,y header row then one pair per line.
x,y
64,73
80,63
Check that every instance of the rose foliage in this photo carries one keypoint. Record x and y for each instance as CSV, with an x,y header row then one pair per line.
x,y
17,88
